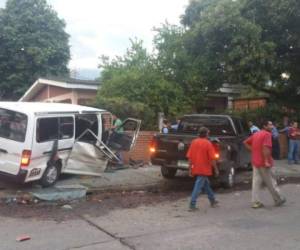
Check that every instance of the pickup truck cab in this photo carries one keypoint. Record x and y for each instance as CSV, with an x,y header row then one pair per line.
x,y
227,134
38,141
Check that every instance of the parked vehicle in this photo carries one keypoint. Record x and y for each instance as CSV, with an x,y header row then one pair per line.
x,y
38,141
227,134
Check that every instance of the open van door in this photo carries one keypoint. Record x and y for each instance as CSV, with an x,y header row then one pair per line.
x,y
89,155
124,137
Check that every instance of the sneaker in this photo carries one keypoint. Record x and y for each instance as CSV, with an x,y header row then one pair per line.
x,y
214,203
257,204
281,202
193,208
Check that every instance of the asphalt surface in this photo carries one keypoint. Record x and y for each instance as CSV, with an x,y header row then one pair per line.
x,y
155,219
138,209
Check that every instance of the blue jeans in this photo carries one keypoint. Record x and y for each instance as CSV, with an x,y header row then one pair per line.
x,y
202,182
293,151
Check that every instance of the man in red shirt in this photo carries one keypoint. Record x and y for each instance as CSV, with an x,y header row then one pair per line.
x,y
260,144
201,155
294,143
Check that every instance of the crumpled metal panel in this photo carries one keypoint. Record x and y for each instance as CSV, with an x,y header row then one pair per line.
x,y
86,159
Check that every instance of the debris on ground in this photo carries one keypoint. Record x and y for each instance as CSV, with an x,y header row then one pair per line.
x,y
61,193
136,163
67,207
138,192
23,238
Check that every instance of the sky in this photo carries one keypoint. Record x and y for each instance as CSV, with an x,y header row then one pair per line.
x,y
104,27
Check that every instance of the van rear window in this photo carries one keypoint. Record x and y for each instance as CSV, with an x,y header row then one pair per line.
x,y
13,125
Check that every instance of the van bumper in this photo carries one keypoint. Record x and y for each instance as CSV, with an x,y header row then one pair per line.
x,y
19,178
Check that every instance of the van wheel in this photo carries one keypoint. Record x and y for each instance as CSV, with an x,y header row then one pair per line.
x,y
168,173
50,175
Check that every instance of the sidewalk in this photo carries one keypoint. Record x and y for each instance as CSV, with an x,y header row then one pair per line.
x,y
283,169
71,187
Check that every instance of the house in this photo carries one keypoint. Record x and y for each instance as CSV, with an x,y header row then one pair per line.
x,y
61,90
222,99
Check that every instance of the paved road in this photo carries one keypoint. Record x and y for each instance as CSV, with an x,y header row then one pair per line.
x,y
166,225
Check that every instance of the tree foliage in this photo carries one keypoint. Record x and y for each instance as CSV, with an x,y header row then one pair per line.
x,y
247,42
132,85
33,43
250,42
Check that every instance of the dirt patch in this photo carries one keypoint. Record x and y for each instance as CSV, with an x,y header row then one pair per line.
x,y
95,205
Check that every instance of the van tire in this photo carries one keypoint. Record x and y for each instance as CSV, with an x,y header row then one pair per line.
x,y
168,173
50,175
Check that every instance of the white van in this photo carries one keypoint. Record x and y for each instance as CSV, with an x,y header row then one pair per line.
x,y
38,141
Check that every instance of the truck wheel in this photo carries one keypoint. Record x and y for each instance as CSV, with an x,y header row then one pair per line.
x,y
227,179
50,175
168,173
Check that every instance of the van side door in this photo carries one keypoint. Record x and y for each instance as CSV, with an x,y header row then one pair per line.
x,y
124,137
48,130
89,156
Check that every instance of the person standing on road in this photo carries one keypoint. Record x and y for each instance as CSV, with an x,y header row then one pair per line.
x,y
252,127
165,127
294,141
275,143
201,155
260,144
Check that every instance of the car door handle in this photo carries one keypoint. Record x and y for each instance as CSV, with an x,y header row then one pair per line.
x,y
3,151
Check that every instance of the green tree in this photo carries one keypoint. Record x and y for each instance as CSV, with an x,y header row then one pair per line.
x,y
279,21
132,85
247,42
177,65
33,43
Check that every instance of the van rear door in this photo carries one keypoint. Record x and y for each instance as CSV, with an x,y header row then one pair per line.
x,y
13,140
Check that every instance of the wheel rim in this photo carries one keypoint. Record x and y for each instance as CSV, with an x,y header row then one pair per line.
x,y
231,177
51,174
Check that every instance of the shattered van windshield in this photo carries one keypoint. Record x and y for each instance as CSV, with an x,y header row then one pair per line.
x,y
13,125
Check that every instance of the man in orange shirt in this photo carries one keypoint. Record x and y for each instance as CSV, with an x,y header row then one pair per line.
x,y
201,155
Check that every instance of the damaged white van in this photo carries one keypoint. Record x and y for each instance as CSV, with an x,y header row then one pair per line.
x,y
38,141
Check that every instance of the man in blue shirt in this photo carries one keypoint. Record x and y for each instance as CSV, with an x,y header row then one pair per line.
x,y
253,128
275,143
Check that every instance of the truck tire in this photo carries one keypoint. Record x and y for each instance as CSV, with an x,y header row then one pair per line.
x,y
227,175
168,173
50,175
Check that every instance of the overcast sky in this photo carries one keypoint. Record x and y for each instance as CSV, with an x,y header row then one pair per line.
x,y
104,26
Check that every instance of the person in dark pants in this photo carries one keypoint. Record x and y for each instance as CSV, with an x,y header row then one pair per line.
x,y
275,143
201,155
294,144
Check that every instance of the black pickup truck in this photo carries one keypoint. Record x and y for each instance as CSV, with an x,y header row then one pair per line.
x,y
226,133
